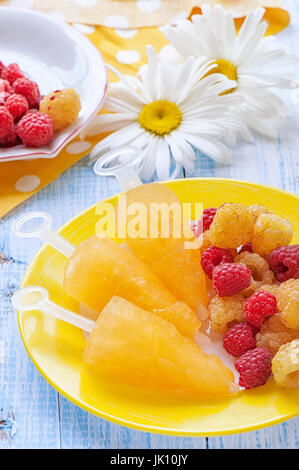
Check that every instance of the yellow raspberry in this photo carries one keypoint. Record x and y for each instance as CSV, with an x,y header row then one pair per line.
x,y
260,270
274,333
270,232
288,302
63,106
232,226
285,365
271,288
204,241
223,310
257,210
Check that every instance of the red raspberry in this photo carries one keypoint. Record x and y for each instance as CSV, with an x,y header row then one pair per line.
x,y
6,122
258,306
214,256
3,97
11,73
247,247
17,105
204,222
254,367
2,67
35,129
29,89
5,86
10,139
231,278
284,262
239,339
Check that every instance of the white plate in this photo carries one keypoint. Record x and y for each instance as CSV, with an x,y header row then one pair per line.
x,y
56,56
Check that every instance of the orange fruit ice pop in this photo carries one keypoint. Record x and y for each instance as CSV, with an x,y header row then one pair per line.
x,y
178,267
137,347
99,269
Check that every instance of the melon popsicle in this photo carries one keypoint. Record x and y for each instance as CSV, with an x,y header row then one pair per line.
x,y
99,269
177,267
158,358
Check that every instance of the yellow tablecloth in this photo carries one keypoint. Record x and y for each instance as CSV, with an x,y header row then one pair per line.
x,y
133,13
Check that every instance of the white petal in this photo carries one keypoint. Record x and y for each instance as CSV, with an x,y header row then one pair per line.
x,y
162,159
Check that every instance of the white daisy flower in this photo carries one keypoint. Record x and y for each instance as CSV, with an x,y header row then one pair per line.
x,y
166,112
246,57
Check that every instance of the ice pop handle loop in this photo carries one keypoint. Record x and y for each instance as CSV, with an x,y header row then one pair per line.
x,y
43,231
119,163
45,305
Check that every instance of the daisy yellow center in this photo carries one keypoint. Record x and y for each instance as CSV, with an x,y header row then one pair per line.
x,y
226,68
160,117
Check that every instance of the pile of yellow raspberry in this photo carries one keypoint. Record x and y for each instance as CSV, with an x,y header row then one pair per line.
x,y
239,235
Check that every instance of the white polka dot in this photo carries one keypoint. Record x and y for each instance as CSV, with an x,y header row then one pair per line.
x,y
84,28
148,5
56,15
170,54
126,33
86,3
78,147
22,3
128,57
27,183
179,16
116,21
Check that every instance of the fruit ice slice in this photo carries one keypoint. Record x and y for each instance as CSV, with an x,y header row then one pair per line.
x,y
178,268
100,269
138,347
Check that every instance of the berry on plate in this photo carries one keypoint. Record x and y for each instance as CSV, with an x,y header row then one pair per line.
x,y
285,365
6,122
35,129
239,339
63,106
274,333
230,278
247,247
288,302
284,262
204,223
10,139
270,232
254,367
11,73
259,306
232,226
17,105
5,86
29,89
224,310
214,256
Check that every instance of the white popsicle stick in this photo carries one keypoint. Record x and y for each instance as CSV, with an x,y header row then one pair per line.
x,y
43,231
45,305
122,163
119,163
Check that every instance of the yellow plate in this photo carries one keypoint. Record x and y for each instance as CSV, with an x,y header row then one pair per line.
x,y
56,348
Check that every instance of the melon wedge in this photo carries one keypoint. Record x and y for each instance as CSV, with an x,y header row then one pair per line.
x,y
131,345
178,268
100,269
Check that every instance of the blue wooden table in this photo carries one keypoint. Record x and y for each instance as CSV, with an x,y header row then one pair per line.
x,y
32,413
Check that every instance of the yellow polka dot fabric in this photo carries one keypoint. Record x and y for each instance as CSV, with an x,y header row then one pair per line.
x,y
133,13
122,44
